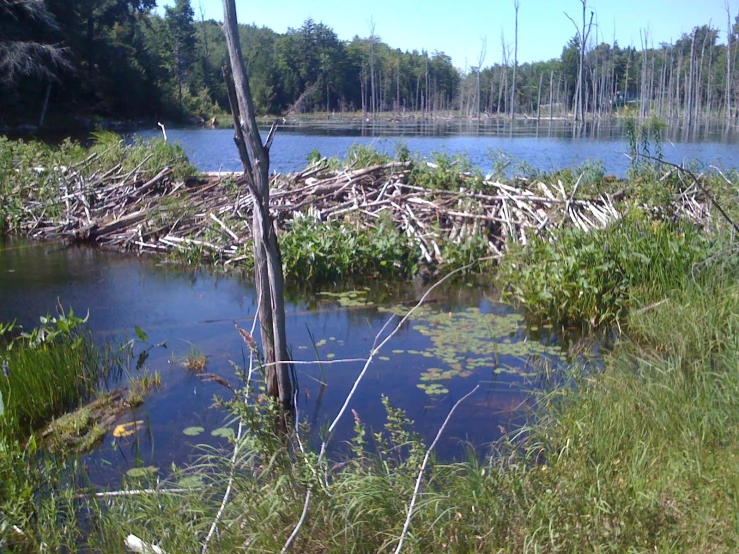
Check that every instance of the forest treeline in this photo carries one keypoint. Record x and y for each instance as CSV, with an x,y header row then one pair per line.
x,y
122,59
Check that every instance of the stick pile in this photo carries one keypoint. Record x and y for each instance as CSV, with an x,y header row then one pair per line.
x,y
212,214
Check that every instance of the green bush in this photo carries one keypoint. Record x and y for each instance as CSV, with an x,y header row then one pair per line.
x,y
315,251
581,277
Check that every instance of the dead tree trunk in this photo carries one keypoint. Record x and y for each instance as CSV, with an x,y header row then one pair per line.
x,y
267,261
515,64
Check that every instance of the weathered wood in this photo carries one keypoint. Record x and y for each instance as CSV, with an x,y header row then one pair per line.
x,y
268,263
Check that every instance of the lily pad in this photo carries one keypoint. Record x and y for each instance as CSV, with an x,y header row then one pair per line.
x,y
433,389
193,431
225,432
190,482
142,471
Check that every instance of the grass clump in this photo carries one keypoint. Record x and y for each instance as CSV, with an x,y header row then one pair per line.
x,y
46,371
139,387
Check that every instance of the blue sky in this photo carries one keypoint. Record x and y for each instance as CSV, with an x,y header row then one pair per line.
x,y
457,28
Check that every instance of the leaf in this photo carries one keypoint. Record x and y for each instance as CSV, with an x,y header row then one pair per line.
x,y
193,431
143,337
2,405
141,471
191,482
225,432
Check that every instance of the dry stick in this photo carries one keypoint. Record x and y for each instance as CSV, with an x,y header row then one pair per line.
x,y
703,189
423,468
375,350
136,492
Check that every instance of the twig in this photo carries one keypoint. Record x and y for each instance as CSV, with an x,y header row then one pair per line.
x,y
423,468
652,306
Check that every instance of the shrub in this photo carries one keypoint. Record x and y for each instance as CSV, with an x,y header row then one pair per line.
x,y
581,277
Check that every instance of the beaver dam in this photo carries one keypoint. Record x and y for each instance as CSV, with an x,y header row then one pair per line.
x,y
211,213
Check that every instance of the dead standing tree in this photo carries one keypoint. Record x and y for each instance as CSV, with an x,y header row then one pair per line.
x,y
267,260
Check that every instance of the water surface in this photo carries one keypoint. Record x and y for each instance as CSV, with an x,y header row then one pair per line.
x,y
463,338
543,146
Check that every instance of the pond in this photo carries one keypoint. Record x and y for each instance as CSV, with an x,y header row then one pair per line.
x,y
545,146
463,337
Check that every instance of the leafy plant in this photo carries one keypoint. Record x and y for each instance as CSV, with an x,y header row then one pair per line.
x,y
593,277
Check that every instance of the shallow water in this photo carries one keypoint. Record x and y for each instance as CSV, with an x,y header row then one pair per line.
x,y
463,338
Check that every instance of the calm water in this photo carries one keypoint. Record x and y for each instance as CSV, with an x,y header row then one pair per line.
x,y
543,146
464,333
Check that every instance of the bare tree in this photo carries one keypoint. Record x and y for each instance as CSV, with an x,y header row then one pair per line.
x,y
582,34
516,4
267,261
373,90
728,60
480,61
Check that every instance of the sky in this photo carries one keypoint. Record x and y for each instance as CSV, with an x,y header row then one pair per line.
x,y
458,27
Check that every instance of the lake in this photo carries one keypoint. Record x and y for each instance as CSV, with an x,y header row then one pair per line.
x,y
463,338
545,146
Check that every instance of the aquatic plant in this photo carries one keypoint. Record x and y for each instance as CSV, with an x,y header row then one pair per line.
x,y
446,172
315,251
48,370
592,278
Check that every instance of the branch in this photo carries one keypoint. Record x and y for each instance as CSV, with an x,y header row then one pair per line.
x,y
423,468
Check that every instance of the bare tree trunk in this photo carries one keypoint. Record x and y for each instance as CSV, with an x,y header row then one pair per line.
x,y
689,90
480,60
551,94
515,63
538,101
267,261
373,91
728,60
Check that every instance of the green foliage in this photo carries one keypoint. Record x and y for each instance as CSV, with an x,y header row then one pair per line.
x,y
640,457
360,156
465,252
593,277
447,173
645,143
315,251
46,371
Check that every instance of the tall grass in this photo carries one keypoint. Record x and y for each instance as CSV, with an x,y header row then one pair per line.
x,y
47,371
